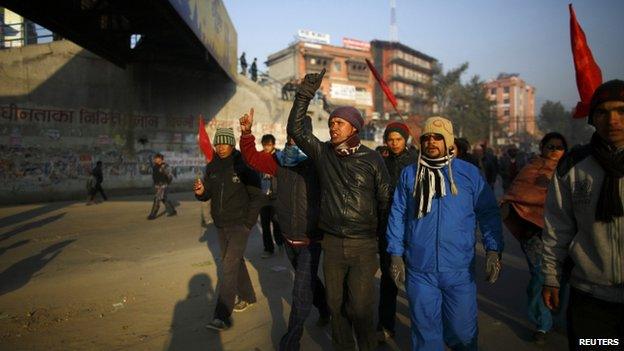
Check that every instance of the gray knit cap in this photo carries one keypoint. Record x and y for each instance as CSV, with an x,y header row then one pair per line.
x,y
224,136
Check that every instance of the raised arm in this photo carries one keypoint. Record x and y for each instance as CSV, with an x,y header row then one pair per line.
x,y
304,138
260,161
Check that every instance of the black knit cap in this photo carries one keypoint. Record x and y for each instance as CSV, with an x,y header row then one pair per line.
x,y
612,90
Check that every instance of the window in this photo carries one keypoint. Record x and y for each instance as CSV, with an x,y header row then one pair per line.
x,y
337,66
506,90
493,91
506,112
506,101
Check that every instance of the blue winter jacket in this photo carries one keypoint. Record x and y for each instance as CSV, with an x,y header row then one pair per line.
x,y
444,239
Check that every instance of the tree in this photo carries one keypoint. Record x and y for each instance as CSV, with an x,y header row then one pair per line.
x,y
444,85
554,117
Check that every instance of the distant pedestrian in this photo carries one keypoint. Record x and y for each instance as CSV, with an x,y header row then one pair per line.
x,y
523,209
462,148
397,156
510,165
298,206
437,204
98,178
254,70
243,63
234,191
584,220
268,213
355,193
162,177
488,164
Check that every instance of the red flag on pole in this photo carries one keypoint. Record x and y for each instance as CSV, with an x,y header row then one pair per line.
x,y
588,74
383,86
204,141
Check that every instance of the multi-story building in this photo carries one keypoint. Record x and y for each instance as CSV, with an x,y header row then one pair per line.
x,y
514,104
408,73
347,79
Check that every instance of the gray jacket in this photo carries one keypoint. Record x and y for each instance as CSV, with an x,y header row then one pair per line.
x,y
596,248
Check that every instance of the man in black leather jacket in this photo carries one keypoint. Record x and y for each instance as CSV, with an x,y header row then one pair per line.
x,y
355,193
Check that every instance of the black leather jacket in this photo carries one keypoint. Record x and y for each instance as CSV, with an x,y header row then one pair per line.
x,y
234,191
355,189
396,163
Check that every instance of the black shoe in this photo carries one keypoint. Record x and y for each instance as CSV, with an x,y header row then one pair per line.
x,y
539,337
217,325
151,217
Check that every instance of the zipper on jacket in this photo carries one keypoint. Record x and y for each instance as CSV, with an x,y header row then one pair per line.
x,y
221,198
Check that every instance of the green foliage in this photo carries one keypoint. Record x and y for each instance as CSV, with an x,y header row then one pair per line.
x,y
554,117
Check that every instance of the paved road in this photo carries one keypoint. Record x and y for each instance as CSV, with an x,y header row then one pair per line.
x,y
76,277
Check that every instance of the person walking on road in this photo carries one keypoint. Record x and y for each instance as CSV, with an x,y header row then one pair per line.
x,y
98,176
355,192
584,220
234,191
162,177
431,237
297,205
523,214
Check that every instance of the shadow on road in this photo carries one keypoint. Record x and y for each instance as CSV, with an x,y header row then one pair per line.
x,y
189,317
31,225
17,244
20,273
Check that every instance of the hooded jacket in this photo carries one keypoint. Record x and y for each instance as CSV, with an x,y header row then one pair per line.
x,y
596,248
355,189
234,191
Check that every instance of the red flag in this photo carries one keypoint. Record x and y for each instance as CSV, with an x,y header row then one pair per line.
x,y
588,75
383,85
204,141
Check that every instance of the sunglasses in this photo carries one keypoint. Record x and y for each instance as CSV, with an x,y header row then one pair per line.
x,y
554,147
436,137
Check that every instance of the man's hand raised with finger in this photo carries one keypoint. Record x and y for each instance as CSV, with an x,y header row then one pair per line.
x,y
309,86
246,122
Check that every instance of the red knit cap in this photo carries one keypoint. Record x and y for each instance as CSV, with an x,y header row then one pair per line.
x,y
398,127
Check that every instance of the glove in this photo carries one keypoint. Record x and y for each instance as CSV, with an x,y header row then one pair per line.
x,y
397,270
492,266
309,86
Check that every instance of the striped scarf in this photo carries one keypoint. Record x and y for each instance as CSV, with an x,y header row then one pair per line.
x,y
430,182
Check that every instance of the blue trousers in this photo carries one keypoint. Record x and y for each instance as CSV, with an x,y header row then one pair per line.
x,y
443,310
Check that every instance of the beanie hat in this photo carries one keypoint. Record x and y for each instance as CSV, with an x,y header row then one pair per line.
x,y
224,136
442,126
350,114
398,127
612,90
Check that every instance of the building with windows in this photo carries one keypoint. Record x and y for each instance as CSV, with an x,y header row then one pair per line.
x,y
408,73
513,104
347,79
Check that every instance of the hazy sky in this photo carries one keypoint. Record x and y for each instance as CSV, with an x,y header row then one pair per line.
x,y
529,37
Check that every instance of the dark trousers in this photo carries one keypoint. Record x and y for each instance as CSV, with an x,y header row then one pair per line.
x,y
592,318
96,189
308,290
387,290
349,266
234,275
268,216
161,196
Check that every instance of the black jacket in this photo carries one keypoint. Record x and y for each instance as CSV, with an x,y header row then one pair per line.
x,y
396,163
355,189
234,191
298,200
161,174
97,174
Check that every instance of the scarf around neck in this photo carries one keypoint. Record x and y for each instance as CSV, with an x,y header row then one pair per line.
x,y
429,182
612,162
291,156
348,147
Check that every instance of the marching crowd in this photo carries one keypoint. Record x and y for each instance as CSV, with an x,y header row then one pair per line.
x,y
413,214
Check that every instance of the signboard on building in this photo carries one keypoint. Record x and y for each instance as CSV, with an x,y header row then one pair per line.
x,y
342,91
211,24
313,37
363,98
355,44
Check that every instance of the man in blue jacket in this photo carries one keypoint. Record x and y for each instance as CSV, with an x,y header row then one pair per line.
x,y
437,203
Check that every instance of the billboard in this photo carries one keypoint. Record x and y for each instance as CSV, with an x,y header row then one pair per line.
x,y
211,24
355,44
313,37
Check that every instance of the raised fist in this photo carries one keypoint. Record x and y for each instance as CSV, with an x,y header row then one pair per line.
x,y
311,83
246,121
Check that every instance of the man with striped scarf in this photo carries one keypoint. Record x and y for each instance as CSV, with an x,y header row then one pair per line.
x,y
437,204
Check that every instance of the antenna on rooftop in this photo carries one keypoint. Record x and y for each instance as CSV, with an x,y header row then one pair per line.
x,y
394,30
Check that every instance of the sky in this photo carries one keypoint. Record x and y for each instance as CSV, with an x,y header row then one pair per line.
x,y
529,37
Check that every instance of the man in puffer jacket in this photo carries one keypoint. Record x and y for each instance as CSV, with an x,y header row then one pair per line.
x,y
437,204
584,220
234,191
354,203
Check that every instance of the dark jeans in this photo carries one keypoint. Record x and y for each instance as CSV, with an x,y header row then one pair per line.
x,y
387,290
349,266
308,290
162,191
268,216
592,318
96,189
235,278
